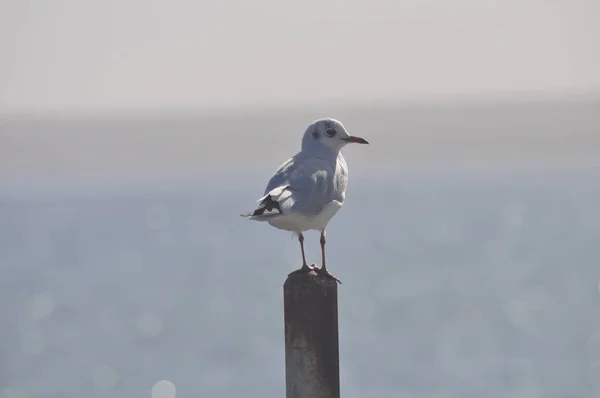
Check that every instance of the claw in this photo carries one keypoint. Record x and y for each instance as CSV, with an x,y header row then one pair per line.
x,y
305,269
324,272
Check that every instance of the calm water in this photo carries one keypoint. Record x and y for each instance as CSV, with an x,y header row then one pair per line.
x,y
454,285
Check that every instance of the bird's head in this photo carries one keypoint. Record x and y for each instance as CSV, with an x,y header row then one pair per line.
x,y
328,132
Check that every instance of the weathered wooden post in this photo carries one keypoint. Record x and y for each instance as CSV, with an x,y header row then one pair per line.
x,y
311,336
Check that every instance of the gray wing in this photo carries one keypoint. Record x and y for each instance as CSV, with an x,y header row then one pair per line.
x,y
302,184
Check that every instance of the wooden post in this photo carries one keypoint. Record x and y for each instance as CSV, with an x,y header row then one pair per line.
x,y
311,337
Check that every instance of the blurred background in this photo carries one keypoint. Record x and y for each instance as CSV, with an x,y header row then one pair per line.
x,y
133,134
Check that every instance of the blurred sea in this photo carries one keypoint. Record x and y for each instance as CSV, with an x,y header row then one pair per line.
x,y
454,285
461,279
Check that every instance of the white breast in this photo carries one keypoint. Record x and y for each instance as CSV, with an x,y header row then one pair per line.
x,y
299,223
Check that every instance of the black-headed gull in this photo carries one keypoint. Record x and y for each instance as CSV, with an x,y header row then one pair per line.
x,y
308,189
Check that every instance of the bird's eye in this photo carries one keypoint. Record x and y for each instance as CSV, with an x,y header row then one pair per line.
x,y
330,132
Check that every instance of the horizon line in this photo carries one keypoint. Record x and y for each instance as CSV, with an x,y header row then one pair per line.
x,y
291,107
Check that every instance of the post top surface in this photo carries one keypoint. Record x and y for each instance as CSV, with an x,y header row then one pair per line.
x,y
310,279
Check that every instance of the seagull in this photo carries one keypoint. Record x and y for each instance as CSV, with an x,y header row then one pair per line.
x,y
308,189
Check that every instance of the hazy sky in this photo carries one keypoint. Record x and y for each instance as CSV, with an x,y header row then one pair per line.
x,y
116,54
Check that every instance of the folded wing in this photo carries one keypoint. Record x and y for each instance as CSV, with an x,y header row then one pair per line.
x,y
300,185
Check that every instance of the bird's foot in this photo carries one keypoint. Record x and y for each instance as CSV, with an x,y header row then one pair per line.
x,y
305,269
324,272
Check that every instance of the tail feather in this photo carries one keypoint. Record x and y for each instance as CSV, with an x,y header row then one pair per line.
x,y
261,217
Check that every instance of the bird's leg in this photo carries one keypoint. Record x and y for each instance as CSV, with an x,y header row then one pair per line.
x,y
301,240
323,251
323,270
305,267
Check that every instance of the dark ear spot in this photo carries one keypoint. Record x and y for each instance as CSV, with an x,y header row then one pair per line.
x,y
315,135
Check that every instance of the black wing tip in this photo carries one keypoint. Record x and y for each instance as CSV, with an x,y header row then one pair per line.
x,y
268,204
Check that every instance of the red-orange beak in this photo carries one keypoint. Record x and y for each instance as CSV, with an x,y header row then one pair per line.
x,y
356,140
